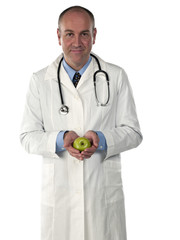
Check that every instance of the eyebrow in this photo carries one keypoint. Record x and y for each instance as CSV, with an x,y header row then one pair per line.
x,y
69,30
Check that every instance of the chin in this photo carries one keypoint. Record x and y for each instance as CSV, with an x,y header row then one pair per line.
x,y
78,58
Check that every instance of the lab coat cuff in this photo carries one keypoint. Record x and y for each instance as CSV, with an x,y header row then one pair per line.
x,y
51,144
110,144
102,141
60,142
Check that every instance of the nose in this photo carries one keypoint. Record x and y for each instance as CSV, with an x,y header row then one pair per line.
x,y
77,41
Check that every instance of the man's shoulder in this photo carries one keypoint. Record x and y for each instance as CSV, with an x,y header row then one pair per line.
x,y
41,73
114,71
114,67
110,66
48,72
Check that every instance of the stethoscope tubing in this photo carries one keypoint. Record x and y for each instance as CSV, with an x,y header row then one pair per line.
x,y
65,109
107,81
59,83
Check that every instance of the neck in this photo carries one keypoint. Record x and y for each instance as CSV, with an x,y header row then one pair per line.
x,y
78,65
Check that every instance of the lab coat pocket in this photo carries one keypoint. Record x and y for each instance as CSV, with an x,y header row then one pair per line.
x,y
48,184
113,181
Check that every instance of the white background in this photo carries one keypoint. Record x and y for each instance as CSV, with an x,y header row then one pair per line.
x,y
141,36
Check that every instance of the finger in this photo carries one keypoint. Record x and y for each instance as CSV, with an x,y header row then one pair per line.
x,y
79,157
88,152
93,137
72,150
96,140
75,153
96,143
86,155
69,138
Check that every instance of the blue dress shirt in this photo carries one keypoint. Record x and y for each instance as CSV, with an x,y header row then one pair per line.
x,y
59,141
70,71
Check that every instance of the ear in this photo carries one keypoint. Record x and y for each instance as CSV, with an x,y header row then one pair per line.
x,y
59,36
94,35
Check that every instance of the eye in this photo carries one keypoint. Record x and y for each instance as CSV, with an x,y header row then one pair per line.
x,y
69,34
85,34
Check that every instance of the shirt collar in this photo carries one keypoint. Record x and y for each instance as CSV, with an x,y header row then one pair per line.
x,y
70,71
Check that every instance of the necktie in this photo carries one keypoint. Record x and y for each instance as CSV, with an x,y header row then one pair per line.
x,y
76,78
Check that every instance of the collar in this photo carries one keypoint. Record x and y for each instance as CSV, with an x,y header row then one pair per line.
x,y
70,71
51,70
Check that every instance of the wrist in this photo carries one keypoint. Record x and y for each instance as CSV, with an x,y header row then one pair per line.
x,y
65,133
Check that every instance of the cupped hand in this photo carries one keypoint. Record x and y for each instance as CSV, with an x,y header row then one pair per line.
x,y
69,138
94,139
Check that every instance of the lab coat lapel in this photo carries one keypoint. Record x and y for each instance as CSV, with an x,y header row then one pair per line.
x,y
87,77
66,81
51,74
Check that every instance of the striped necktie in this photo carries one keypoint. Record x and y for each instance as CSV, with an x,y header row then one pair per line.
x,y
76,78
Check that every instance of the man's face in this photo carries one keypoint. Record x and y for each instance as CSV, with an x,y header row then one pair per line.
x,y
76,36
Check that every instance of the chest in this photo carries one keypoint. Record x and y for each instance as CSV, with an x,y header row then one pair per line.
x,y
84,113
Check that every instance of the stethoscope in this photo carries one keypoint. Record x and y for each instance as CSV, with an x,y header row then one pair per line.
x,y
65,109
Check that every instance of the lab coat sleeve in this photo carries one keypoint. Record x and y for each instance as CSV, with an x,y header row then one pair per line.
x,y
126,134
34,137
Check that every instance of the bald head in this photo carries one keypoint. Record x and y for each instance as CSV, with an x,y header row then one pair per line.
x,y
77,9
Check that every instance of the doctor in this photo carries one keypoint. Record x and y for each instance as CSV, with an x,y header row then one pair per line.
x,y
82,193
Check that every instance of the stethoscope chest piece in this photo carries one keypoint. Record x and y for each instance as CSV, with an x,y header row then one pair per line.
x,y
64,110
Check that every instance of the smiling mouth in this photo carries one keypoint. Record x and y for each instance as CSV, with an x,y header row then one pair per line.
x,y
77,49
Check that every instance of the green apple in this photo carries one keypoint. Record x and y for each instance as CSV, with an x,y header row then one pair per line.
x,y
81,143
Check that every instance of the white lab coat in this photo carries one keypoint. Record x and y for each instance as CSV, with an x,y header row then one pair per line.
x,y
81,200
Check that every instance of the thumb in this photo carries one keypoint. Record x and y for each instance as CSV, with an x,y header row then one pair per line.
x,y
95,140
